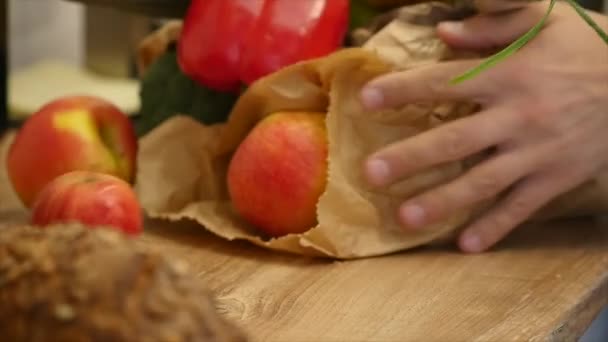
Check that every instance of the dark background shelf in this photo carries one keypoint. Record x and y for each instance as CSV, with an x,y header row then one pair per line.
x,y
156,8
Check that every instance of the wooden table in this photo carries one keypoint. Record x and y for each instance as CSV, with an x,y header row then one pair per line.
x,y
542,283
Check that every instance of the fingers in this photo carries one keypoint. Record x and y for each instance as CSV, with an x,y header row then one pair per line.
x,y
452,141
489,31
427,83
482,182
528,197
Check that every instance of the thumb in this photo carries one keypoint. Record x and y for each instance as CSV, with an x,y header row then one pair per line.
x,y
486,31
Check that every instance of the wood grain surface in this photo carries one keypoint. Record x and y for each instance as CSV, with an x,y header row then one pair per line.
x,y
544,283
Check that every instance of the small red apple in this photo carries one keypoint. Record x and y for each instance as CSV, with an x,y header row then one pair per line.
x,y
90,198
279,171
68,134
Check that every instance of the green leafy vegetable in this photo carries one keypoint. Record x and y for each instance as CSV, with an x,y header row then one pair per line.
x,y
361,14
523,40
166,91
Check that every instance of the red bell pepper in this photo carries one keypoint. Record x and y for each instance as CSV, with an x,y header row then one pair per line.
x,y
227,43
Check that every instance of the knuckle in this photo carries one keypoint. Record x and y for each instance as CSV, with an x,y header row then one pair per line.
x,y
392,88
436,86
508,217
398,158
518,209
454,144
500,222
486,186
396,88
537,115
437,205
566,147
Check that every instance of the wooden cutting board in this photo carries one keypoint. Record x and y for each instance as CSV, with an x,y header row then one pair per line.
x,y
543,283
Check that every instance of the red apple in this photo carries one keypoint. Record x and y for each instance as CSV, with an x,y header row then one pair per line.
x,y
90,198
68,134
279,171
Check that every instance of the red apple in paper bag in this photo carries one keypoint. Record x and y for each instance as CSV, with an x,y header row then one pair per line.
x,y
71,133
279,171
90,198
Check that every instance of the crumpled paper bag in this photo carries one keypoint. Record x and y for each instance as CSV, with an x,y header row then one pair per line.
x,y
182,163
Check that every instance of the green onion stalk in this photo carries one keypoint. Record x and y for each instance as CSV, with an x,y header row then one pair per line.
x,y
523,40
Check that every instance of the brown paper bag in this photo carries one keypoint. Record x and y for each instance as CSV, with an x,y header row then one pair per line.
x,y
183,163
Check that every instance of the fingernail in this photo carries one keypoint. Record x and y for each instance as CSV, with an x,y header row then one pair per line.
x,y
453,27
413,215
372,97
471,243
377,171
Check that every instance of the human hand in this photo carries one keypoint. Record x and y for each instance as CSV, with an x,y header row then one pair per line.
x,y
544,110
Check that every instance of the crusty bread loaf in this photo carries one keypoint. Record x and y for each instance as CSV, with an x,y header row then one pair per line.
x,y
68,283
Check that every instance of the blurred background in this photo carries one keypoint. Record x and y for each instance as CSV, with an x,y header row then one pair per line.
x,y
53,47
58,46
